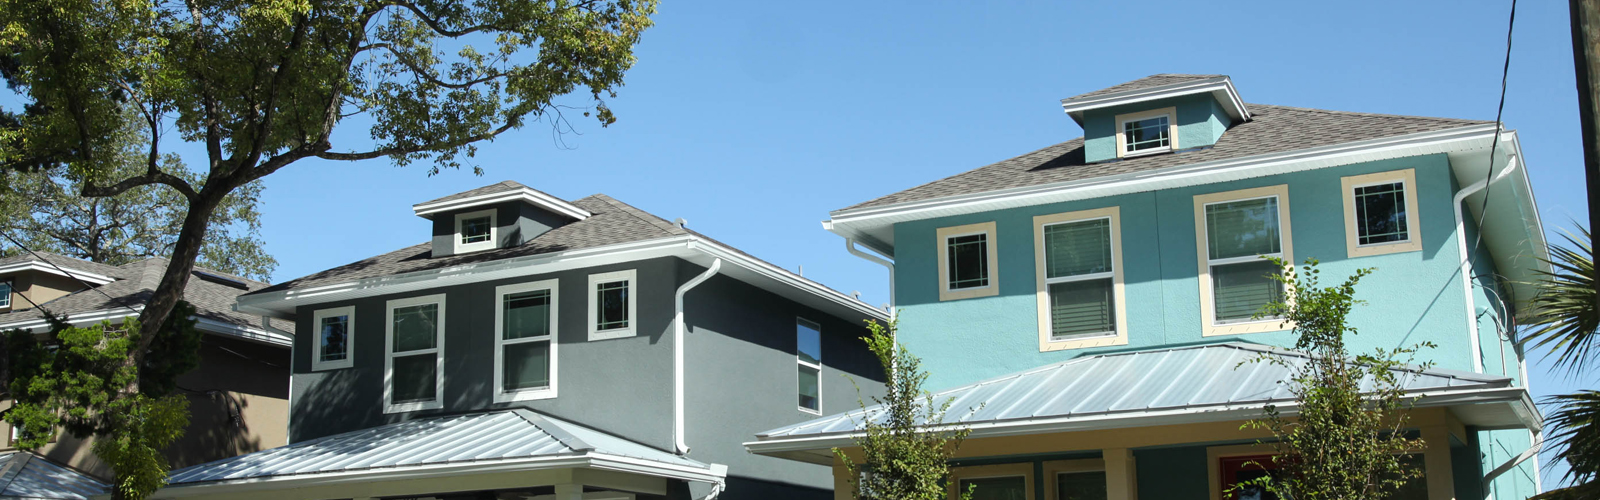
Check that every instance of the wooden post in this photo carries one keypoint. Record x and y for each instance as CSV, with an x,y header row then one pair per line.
x,y
569,491
1586,62
1121,476
1436,463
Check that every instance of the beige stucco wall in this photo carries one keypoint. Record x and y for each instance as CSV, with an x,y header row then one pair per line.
x,y
37,287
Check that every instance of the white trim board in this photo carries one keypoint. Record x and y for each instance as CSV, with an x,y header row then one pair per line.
x,y
1220,87
82,319
528,195
44,267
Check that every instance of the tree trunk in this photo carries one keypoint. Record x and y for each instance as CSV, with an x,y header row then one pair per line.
x,y
180,266
1586,59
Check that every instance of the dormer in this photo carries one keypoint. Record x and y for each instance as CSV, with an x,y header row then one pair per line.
x,y
500,215
1154,115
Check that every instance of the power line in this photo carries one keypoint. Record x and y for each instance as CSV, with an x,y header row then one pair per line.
x,y
74,277
1505,73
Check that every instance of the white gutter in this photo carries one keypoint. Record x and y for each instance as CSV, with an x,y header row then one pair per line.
x,y
850,244
51,268
678,331
1466,260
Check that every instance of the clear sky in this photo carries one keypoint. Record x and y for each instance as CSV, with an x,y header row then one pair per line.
x,y
754,119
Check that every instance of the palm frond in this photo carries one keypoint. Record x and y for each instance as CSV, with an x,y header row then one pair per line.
x,y
1564,308
1577,434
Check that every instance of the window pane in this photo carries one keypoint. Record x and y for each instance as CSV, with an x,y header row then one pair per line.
x,y
527,365
1381,213
1081,486
475,230
415,327
527,314
1081,309
809,342
335,337
613,301
414,378
968,260
808,387
5,294
1416,488
1242,228
1241,290
1149,133
1077,248
997,488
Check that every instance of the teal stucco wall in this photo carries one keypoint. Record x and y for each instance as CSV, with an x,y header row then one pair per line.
x,y
1201,122
1413,297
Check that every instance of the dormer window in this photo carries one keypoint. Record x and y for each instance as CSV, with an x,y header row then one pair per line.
x,y
1147,132
475,231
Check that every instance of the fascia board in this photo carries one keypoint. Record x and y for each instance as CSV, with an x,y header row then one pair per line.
x,y
1224,86
534,197
209,325
1443,141
786,279
77,319
249,334
33,265
1127,419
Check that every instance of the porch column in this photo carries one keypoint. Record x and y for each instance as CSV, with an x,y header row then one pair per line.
x,y
569,491
1436,463
1121,477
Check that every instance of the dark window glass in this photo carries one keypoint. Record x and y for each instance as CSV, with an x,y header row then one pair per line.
x,y
1149,133
475,230
527,365
416,327
612,299
335,337
997,488
1381,213
809,395
527,314
1081,485
968,258
415,378
808,339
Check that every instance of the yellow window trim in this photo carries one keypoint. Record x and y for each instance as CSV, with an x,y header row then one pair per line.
x,y
1053,468
1046,344
944,234
1171,112
1208,313
1408,178
1025,470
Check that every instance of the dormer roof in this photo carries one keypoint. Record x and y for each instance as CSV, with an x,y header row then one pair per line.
x,y
500,192
1162,86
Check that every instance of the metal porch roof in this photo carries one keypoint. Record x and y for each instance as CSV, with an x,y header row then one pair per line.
x,y
479,437
1193,379
27,476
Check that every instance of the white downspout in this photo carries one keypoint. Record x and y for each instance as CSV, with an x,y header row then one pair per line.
x,y
678,331
850,244
1466,260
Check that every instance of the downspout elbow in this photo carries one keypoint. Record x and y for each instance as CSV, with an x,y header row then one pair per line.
x,y
678,331
850,245
1466,260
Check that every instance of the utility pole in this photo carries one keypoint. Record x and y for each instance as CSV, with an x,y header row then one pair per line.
x,y
1586,60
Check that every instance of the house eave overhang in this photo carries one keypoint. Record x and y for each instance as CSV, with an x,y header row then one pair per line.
x,y
1522,414
538,199
311,481
1220,88
64,271
691,248
247,333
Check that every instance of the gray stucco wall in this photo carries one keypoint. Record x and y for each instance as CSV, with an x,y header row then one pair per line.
x,y
515,222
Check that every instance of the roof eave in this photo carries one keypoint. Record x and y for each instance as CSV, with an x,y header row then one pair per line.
x,y
1220,87
528,195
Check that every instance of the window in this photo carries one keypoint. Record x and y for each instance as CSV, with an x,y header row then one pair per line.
x,y
1083,479
335,338
993,482
1236,229
525,341
808,353
1080,280
476,231
1380,213
612,306
414,365
1231,466
967,261
1147,132
5,294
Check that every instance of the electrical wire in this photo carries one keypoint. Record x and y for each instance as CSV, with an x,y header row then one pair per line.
x,y
1505,73
74,277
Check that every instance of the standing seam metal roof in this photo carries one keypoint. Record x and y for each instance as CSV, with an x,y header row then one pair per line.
x,y
24,475
1137,381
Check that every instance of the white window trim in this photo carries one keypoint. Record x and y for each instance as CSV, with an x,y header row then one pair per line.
x,y
944,235
494,231
388,355
1055,468
1047,341
11,288
1208,313
349,312
1352,233
500,292
801,362
631,275
1170,112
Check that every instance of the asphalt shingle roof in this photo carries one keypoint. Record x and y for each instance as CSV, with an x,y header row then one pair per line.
x,y
1272,129
1145,83
498,187
62,261
134,285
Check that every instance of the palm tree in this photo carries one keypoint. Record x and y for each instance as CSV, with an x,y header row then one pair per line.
x,y
1567,318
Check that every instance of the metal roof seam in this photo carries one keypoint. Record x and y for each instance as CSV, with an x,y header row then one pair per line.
x,y
1059,395
1049,378
1145,377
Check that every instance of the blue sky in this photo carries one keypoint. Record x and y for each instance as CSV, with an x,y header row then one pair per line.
x,y
753,119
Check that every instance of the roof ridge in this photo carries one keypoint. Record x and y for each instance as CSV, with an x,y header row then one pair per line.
x,y
640,214
961,173
1363,113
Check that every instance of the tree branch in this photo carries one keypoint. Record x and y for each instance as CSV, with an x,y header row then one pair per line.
x,y
427,75
149,177
415,149
434,24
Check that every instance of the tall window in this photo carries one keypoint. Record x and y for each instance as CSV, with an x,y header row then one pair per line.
x,y
413,368
525,341
808,353
5,294
1147,132
475,231
1078,274
967,261
613,309
1381,213
335,337
1238,229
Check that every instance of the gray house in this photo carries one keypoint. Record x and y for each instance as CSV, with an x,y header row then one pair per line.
x,y
535,347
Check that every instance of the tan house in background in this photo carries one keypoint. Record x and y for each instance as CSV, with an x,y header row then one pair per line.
x,y
238,396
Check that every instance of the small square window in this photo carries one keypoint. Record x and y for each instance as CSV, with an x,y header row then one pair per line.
x,y
475,231
1381,213
1146,132
612,305
335,338
967,261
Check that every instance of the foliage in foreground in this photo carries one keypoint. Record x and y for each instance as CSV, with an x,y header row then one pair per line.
x,y
76,379
1342,443
1565,318
902,459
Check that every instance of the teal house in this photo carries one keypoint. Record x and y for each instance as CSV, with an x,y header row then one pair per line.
x,y
1091,302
